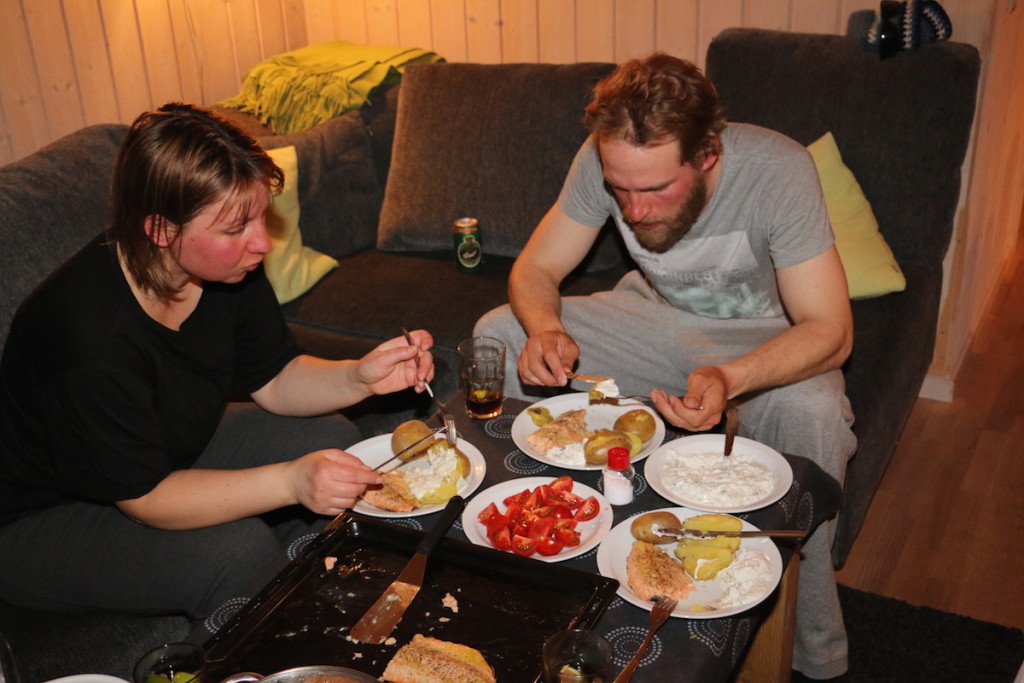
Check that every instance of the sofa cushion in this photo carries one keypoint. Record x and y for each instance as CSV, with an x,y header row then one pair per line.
x,y
339,191
871,269
455,154
51,204
902,124
291,267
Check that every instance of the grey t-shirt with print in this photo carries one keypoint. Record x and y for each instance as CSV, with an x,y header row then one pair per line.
x,y
766,212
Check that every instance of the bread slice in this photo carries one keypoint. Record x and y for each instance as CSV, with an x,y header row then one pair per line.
x,y
652,572
429,660
393,495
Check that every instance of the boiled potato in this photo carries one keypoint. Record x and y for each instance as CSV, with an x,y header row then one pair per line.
x,y
595,449
409,433
703,558
642,527
715,522
703,562
540,415
637,421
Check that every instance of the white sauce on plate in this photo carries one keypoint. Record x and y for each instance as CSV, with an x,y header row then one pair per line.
x,y
747,578
571,454
713,479
431,472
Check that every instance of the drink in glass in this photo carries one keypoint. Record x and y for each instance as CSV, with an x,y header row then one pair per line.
x,y
482,366
577,656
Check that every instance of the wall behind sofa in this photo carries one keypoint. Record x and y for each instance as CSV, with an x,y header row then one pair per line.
x,y
68,63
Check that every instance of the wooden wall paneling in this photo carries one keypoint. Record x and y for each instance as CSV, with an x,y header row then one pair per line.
x,y
160,55
26,127
483,31
556,31
91,62
595,30
350,21
127,58
714,17
271,31
414,27
769,14
56,66
814,16
246,31
220,79
186,50
293,14
381,22
519,32
6,146
448,29
634,28
676,28
320,21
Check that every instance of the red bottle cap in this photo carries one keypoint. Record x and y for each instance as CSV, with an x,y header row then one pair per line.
x,y
618,458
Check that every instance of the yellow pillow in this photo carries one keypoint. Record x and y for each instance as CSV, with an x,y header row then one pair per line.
x,y
291,268
871,269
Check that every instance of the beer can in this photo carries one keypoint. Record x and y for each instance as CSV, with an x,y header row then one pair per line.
x,y
468,245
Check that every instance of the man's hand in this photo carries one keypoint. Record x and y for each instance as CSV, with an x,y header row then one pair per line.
x,y
702,406
330,480
546,358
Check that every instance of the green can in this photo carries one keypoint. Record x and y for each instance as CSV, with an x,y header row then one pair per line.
x,y
468,245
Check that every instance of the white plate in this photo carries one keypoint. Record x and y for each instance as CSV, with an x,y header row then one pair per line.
x,y
710,443
591,532
601,416
611,562
376,450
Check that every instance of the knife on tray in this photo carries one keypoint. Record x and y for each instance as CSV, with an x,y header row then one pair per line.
x,y
380,620
697,533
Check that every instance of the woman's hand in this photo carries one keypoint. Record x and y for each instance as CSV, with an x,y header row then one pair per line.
x,y
397,365
330,481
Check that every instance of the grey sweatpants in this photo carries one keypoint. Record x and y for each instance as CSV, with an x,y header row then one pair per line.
x,y
89,555
633,335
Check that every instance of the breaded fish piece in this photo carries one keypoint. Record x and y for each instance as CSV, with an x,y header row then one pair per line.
x,y
429,660
393,495
651,573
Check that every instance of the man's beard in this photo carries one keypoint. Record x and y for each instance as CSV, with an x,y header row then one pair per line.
x,y
661,239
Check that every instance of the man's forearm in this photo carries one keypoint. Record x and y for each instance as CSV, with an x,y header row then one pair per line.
x,y
801,352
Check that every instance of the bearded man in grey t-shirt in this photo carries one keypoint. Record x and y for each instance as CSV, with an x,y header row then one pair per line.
x,y
740,294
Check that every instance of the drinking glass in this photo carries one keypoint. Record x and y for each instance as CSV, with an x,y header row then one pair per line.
x,y
170,663
577,656
482,366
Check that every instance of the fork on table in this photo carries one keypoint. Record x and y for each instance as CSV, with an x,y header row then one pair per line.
x,y
660,613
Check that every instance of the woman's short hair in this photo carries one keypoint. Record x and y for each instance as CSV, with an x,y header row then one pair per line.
x,y
658,98
175,162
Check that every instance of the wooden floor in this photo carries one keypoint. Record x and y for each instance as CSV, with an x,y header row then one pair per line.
x,y
946,528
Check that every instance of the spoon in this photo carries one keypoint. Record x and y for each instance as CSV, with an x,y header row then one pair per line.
x,y
732,422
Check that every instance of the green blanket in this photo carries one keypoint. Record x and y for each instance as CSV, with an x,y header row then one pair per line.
x,y
300,89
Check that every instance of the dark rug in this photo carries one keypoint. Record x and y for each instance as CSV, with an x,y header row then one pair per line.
x,y
891,640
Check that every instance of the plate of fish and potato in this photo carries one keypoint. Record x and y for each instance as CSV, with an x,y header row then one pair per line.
x,y
598,424
378,449
702,596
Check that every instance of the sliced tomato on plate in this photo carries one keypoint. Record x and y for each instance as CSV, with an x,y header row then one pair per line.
x,y
486,514
549,546
562,483
561,512
587,510
500,538
517,498
568,537
523,545
541,527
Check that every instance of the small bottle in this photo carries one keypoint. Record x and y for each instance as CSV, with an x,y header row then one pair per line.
x,y
618,476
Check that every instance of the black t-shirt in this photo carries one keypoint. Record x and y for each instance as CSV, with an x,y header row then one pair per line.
x,y
99,401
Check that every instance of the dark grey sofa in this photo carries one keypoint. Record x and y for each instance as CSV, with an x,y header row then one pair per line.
x,y
381,187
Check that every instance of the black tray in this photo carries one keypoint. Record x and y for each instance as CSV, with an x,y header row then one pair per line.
x,y
507,605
